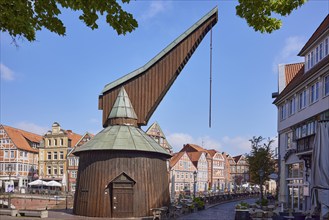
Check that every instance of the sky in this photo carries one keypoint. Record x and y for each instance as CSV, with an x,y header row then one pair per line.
x,y
58,79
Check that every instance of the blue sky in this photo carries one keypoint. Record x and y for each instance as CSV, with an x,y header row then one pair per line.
x,y
59,78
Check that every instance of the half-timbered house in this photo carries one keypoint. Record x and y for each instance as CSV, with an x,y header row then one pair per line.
x,y
18,157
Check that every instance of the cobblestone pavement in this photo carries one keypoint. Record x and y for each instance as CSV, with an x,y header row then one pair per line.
x,y
223,211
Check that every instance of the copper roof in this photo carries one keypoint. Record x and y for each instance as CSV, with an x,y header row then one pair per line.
x,y
291,70
318,32
122,138
20,138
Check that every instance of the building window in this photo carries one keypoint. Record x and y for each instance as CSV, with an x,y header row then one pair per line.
x,y
295,170
55,142
25,154
49,142
55,155
61,155
302,100
283,111
292,106
326,47
73,187
321,51
48,170
61,142
61,170
289,140
74,174
55,170
49,155
317,55
71,162
12,154
6,154
314,92
326,85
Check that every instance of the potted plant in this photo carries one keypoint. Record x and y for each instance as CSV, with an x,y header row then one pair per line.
x,y
199,203
242,211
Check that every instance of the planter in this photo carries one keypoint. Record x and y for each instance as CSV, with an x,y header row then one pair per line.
x,y
242,214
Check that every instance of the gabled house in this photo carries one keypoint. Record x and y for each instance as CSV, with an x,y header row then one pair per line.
x,y
199,160
181,174
155,132
227,171
53,153
303,108
216,170
242,170
18,157
232,167
73,162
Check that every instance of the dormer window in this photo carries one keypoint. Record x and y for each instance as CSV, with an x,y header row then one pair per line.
x,y
320,51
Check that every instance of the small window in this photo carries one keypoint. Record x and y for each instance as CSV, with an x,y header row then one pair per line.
x,y
326,85
61,142
314,92
321,51
61,155
55,170
61,170
6,154
55,155
49,155
302,100
48,170
12,154
49,142
326,47
55,142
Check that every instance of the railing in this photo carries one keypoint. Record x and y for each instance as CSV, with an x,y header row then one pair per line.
x,y
305,144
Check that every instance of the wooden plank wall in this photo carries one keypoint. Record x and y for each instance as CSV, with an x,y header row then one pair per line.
x,y
148,89
98,168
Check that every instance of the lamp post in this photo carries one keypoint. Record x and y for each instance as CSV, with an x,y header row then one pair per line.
x,y
10,169
261,174
218,186
195,176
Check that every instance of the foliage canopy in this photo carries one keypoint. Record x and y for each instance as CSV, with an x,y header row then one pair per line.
x,y
258,12
260,158
22,18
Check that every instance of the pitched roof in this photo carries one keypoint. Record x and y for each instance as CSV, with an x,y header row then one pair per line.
x,y
212,152
175,158
156,131
291,71
193,148
74,137
237,158
318,32
301,77
195,156
20,138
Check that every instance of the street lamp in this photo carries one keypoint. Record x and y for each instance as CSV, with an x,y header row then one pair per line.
x,y
195,176
10,169
261,174
218,186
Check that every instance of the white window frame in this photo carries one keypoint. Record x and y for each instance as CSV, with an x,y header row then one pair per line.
x,y
326,85
314,92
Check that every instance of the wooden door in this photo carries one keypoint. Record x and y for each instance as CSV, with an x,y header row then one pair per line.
x,y
122,202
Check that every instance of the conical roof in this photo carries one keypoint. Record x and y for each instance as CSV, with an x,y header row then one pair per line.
x,y
122,137
122,107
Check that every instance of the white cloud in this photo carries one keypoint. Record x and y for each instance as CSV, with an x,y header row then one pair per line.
x,y
31,127
155,8
231,145
288,54
6,73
